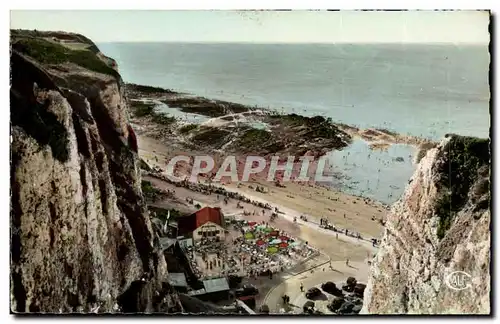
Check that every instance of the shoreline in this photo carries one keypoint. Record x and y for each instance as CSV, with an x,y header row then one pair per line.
x,y
251,131
377,138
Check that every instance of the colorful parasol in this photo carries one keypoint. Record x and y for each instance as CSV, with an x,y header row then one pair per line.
x,y
260,242
272,249
283,245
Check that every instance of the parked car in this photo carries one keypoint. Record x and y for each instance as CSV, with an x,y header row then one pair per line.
x,y
346,308
359,289
246,290
308,307
351,281
348,288
313,293
329,287
335,304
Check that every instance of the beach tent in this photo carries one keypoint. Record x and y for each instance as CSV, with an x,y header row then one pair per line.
x,y
272,249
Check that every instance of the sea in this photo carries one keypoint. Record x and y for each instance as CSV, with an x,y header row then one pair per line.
x,y
416,89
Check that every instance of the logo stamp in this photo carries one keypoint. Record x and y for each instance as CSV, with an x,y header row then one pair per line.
x,y
458,280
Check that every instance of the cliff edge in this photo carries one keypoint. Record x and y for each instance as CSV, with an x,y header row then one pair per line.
x,y
81,236
435,254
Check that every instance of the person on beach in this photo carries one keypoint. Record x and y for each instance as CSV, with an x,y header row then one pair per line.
x,y
301,287
347,262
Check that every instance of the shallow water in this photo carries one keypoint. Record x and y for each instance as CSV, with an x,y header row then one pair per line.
x,y
373,174
184,117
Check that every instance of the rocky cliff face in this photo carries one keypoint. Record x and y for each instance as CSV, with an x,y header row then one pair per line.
x,y
441,225
81,237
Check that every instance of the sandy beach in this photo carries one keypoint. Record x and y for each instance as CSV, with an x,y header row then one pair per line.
x,y
314,201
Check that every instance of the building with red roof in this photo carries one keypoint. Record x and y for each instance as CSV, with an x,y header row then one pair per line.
x,y
207,222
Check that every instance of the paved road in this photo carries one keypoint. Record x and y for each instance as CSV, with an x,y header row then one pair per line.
x,y
320,275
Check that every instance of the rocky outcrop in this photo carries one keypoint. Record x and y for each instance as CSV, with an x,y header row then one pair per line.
x,y
81,236
435,254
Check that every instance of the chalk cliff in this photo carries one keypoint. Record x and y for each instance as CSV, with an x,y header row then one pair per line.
x,y
440,225
81,236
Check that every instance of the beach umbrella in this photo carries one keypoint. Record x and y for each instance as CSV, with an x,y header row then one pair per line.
x,y
260,242
283,238
275,241
268,229
283,245
294,244
252,223
272,249
274,233
249,235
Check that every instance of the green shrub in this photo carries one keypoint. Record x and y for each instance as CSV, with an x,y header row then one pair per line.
x,y
211,135
142,109
459,172
47,52
254,137
149,191
162,213
187,128
163,118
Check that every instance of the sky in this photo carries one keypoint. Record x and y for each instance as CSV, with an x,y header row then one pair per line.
x,y
263,26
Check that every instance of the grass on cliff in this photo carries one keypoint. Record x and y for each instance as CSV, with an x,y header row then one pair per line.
x,y
47,52
459,172
149,191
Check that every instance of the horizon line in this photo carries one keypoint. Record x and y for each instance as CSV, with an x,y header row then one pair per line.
x,y
294,43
